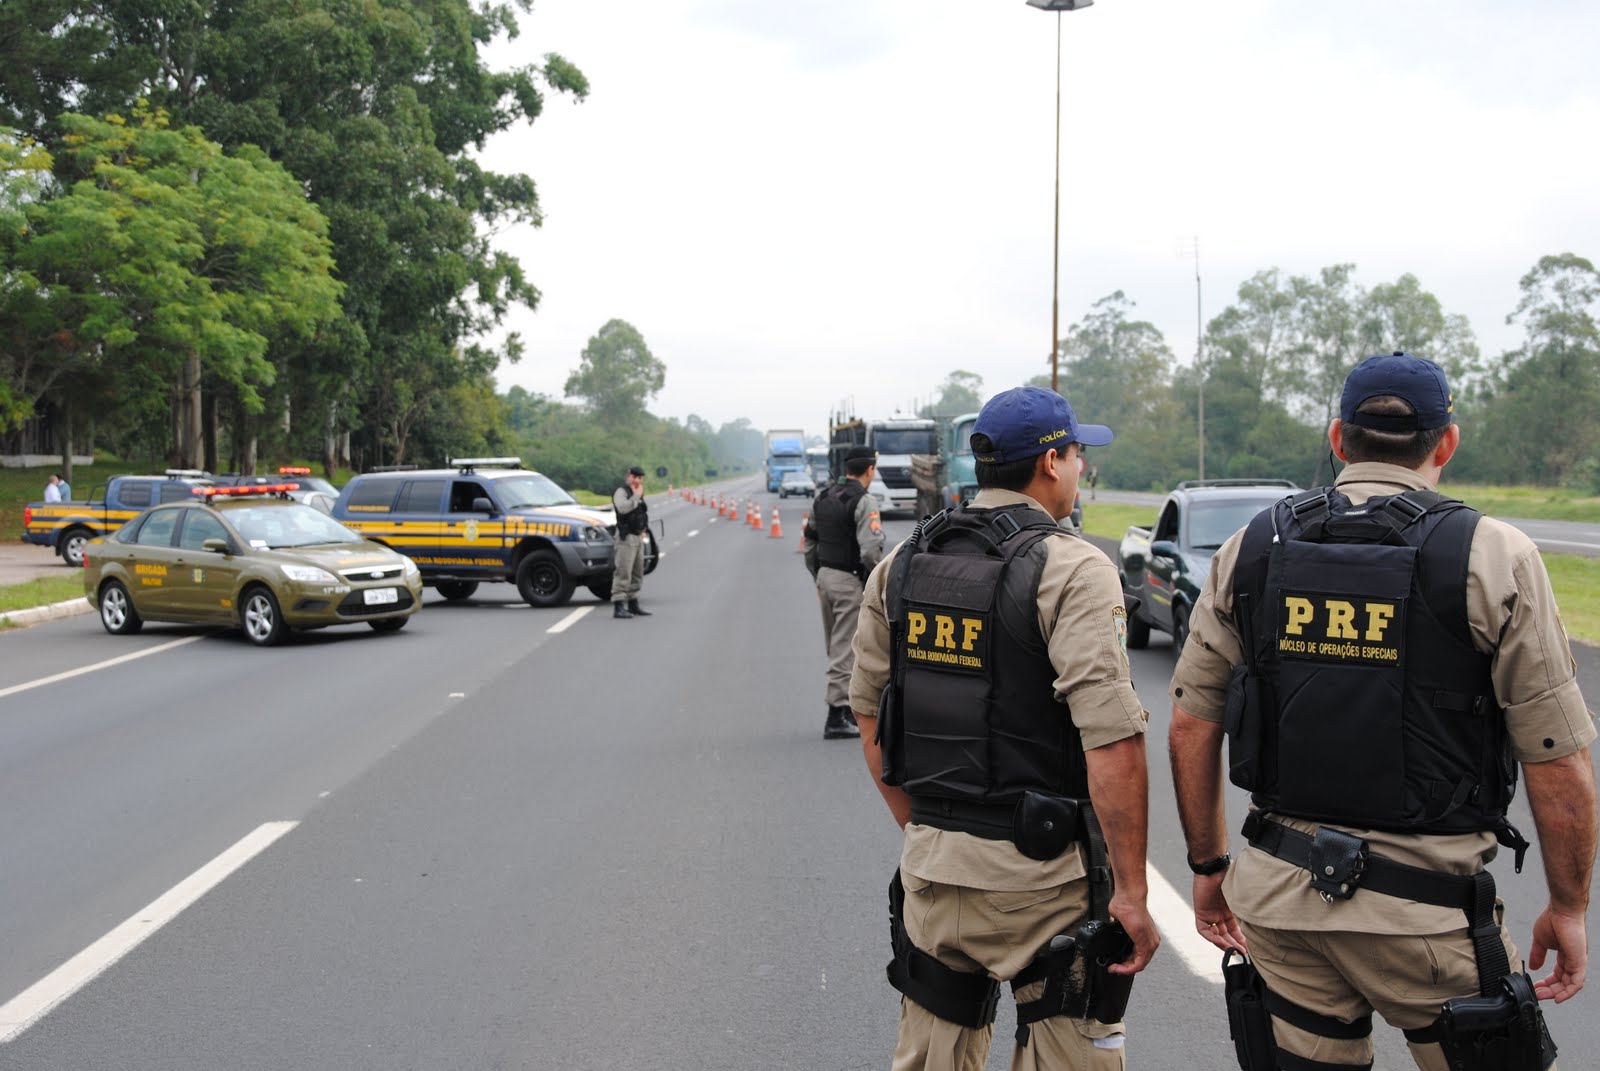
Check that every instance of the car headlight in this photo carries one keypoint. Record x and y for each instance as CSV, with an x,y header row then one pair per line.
x,y
308,574
591,534
408,567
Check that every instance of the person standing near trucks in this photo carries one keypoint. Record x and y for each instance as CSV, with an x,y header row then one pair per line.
x,y
52,488
627,574
1381,659
843,540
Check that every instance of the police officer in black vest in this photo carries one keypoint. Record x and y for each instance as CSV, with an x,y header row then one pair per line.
x,y
843,541
1381,658
633,518
999,721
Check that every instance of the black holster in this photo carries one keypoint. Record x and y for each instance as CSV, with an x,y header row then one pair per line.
x,y
965,998
1249,1022
1078,983
1501,1032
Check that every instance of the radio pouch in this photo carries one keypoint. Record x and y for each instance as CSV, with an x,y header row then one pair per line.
x,y
1044,825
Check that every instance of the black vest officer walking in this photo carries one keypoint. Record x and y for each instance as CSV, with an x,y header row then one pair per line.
x,y
843,541
1381,658
999,721
633,518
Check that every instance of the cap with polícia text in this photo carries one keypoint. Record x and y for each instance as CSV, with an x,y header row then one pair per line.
x,y
1416,381
1024,422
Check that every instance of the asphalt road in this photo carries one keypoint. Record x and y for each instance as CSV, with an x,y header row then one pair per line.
x,y
484,844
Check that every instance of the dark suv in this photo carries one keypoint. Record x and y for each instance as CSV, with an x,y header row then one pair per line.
x,y
487,519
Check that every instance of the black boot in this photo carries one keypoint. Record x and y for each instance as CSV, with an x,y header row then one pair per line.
x,y
620,609
637,610
841,724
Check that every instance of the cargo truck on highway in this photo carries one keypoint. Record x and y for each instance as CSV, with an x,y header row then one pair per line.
x,y
786,452
895,440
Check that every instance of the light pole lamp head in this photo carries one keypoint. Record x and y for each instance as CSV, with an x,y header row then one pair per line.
x,y
1060,5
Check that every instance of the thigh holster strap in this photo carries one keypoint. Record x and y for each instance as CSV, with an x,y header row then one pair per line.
x,y
966,998
1324,1026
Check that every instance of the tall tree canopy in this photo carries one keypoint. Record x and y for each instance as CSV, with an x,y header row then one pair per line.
x,y
618,375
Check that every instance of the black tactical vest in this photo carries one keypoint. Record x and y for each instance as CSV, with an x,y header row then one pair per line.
x,y
636,520
835,526
980,719
1377,711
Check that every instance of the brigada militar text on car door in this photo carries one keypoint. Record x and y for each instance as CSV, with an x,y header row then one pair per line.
x,y
484,519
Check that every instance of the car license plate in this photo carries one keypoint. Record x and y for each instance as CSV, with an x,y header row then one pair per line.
x,y
379,596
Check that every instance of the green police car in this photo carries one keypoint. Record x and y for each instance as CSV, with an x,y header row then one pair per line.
x,y
249,557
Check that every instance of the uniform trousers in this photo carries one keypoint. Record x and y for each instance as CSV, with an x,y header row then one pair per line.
x,y
627,572
1001,933
1405,978
840,595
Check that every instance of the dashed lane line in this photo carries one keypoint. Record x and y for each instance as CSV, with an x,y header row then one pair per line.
x,y
571,619
35,1002
107,664
1175,919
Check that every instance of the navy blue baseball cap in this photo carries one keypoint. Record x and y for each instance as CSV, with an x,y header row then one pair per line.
x,y
1415,380
1024,422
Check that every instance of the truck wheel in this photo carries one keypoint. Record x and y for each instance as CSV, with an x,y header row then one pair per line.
x,y
456,590
1138,632
73,540
1180,629
541,581
116,610
259,617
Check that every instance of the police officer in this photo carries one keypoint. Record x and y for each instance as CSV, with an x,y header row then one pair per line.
x,y
633,518
999,722
1382,658
843,541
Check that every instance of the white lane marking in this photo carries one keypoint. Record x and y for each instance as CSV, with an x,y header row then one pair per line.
x,y
107,664
692,533
1175,918
570,620
35,1002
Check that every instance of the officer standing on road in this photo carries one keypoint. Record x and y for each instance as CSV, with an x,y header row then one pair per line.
x,y
1382,657
842,542
999,721
633,518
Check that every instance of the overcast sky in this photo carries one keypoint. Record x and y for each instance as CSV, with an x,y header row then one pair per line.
x,y
833,201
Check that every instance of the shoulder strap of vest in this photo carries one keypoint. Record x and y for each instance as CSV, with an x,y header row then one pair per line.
x,y
994,530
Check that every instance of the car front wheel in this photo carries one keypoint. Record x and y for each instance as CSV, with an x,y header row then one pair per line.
x,y
1180,630
116,610
262,622
542,581
388,624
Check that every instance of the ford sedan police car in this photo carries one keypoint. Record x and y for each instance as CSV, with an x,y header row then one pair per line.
x,y
249,557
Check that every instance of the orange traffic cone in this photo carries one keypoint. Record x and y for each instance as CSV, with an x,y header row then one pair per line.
x,y
777,525
805,519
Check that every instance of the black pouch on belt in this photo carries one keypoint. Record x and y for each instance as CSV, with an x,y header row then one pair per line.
x,y
1043,825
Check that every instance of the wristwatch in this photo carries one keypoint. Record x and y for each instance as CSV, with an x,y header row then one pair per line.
x,y
1210,866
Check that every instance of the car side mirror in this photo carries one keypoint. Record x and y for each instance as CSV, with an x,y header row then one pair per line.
x,y
216,546
1134,562
1166,548
483,505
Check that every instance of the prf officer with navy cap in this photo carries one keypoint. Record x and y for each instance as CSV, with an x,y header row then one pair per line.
x,y
1393,656
1010,717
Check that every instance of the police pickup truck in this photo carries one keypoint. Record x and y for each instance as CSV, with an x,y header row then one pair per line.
x,y
1165,567
487,519
68,526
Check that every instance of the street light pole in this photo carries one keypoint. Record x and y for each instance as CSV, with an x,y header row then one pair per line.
x,y
1058,6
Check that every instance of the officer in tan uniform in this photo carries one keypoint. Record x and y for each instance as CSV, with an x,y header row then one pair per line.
x,y
1381,658
1000,724
843,540
627,569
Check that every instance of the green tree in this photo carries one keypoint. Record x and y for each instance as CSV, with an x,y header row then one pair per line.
x,y
165,260
1541,408
617,375
961,392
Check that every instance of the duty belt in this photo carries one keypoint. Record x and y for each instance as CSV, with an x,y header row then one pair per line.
x,y
1340,864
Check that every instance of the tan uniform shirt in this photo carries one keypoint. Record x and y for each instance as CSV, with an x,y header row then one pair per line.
x,y
1512,614
1085,628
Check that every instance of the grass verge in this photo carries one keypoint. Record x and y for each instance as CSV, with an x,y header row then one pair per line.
x,y
42,592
